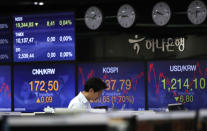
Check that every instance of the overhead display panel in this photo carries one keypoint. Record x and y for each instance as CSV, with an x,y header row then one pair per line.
x,y
125,82
39,86
44,37
173,82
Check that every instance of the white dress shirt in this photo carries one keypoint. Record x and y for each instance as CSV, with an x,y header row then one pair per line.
x,y
79,103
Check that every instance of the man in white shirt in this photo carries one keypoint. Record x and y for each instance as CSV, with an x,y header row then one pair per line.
x,y
92,91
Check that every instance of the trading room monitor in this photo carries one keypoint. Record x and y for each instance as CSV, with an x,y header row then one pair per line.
x,y
38,86
5,88
182,81
5,39
176,107
125,82
44,37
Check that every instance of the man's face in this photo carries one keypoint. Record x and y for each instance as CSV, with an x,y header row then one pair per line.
x,y
96,95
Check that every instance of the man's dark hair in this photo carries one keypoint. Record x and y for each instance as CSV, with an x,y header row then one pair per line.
x,y
96,84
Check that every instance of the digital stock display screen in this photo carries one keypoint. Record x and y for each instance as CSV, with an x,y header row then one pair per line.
x,y
38,86
125,82
44,37
5,88
171,82
5,39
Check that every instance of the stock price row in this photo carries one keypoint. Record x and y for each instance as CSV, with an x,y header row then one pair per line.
x,y
48,23
48,55
49,39
115,99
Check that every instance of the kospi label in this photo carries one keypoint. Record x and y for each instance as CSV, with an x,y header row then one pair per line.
x,y
111,70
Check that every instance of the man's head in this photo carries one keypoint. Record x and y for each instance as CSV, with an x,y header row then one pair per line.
x,y
94,87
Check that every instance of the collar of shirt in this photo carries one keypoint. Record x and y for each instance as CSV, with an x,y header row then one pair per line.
x,y
82,98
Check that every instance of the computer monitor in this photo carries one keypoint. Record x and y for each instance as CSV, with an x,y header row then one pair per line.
x,y
38,86
180,81
5,88
5,39
125,82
